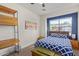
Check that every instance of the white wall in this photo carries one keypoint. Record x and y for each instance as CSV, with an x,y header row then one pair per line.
x,y
42,26
54,14
27,37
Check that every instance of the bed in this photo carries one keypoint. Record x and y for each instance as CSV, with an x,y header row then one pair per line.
x,y
57,42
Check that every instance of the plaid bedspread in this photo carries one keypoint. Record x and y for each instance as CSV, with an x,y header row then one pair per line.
x,y
60,45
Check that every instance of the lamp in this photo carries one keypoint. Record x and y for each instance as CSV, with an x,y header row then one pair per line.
x,y
70,34
73,36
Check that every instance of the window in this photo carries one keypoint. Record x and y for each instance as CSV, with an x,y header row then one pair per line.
x,y
67,22
62,24
54,25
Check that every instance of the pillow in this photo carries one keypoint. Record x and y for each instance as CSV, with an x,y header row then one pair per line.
x,y
59,35
63,36
54,35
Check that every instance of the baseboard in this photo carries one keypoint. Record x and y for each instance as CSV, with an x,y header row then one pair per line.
x,y
27,45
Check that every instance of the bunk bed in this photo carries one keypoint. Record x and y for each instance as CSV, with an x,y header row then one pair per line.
x,y
9,21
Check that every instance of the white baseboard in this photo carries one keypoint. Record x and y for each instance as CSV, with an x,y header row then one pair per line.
x,y
27,45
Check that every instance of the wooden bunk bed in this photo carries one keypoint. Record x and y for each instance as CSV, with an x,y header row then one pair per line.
x,y
9,21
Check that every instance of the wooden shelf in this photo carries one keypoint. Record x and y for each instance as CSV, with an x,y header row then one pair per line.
x,y
7,10
8,42
8,20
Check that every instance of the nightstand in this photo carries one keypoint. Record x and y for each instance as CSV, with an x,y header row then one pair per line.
x,y
75,44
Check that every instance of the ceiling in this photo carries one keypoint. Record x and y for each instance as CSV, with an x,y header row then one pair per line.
x,y
49,7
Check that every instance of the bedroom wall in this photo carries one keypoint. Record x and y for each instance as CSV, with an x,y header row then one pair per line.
x,y
57,13
27,37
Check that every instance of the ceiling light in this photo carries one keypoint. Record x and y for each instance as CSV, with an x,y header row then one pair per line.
x,y
32,3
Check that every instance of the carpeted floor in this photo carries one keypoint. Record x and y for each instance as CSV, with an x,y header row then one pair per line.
x,y
27,52
24,52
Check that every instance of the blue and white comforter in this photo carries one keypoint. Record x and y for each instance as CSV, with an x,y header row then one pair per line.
x,y
60,45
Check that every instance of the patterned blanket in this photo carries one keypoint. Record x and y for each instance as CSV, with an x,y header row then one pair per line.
x,y
60,45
